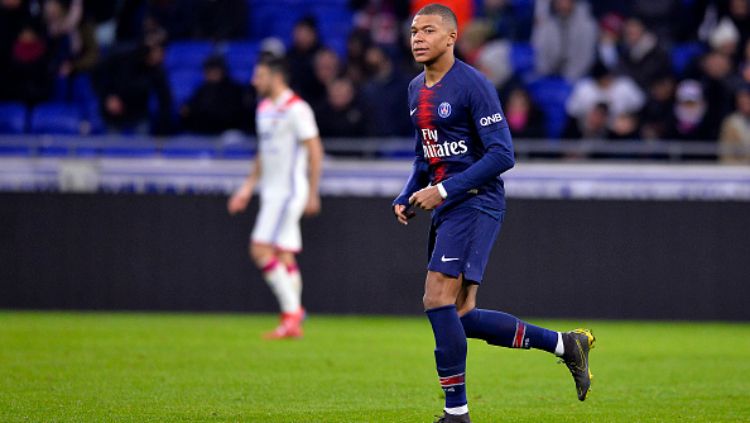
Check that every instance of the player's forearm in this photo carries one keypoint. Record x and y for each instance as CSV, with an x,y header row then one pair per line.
x,y
497,159
418,179
252,177
315,155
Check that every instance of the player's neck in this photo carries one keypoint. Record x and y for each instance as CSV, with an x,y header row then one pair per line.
x,y
277,92
435,71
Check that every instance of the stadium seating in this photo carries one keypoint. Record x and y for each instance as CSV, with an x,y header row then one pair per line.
x,y
56,118
241,58
274,19
187,54
277,19
12,118
183,84
684,54
522,59
550,94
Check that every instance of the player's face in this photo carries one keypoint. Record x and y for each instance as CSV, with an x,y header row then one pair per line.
x,y
262,80
431,37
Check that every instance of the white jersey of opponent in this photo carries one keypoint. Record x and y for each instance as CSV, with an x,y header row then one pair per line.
x,y
282,127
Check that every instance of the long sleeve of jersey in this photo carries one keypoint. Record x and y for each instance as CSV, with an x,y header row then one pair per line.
x,y
419,178
493,131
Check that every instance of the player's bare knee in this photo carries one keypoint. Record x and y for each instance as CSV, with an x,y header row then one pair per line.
x,y
261,254
434,300
286,258
467,298
440,290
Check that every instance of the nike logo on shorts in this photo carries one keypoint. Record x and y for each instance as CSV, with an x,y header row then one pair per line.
x,y
411,112
445,259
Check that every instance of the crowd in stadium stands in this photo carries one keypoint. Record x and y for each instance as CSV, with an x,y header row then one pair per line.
x,y
573,69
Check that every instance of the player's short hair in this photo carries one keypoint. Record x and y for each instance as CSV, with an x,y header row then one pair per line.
x,y
443,11
275,64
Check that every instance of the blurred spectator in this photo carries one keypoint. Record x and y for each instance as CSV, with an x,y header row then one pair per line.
x,y
564,38
608,46
384,97
739,13
340,115
624,127
735,131
719,85
657,113
219,104
380,20
506,20
125,82
102,15
689,122
305,43
643,57
178,18
493,60
471,41
326,68
71,39
619,93
272,46
524,118
725,39
141,22
356,46
591,126
30,80
13,17
661,16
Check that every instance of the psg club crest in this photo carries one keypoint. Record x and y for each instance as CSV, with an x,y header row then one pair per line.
x,y
444,109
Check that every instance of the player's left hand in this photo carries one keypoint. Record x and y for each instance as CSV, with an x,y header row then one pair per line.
x,y
426,198
312,208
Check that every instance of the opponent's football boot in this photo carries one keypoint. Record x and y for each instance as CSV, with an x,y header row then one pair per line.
x,y
289,327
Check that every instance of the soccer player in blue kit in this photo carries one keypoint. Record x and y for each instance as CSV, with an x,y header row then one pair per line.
x,y
463,144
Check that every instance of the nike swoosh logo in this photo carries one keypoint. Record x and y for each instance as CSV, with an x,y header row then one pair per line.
x,y
411,112
447,259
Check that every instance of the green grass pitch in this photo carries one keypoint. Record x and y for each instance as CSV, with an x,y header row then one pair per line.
x,y
96,367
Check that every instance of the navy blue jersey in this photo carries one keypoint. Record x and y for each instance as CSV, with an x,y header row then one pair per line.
x,y
462,139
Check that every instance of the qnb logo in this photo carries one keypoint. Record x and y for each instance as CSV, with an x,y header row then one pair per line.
x,y
489,120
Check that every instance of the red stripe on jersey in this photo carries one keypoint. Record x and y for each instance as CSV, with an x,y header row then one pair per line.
x,y
425,117
293,99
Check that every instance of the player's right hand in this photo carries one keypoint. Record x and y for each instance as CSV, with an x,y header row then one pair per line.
x,y
403,214
238,201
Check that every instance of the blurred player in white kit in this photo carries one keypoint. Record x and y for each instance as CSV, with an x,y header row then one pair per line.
x,y
287,167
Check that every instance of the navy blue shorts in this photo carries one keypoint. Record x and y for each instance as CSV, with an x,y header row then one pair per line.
x,y
460,242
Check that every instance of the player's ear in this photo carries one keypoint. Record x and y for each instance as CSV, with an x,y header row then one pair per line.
x,y
452,36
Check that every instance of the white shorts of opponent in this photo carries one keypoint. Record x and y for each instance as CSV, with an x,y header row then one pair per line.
x,y
277,223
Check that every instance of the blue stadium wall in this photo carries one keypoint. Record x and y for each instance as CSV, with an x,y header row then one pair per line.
x,y
554,258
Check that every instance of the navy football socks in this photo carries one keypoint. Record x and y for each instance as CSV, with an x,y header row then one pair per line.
x,y
505,330
450,353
